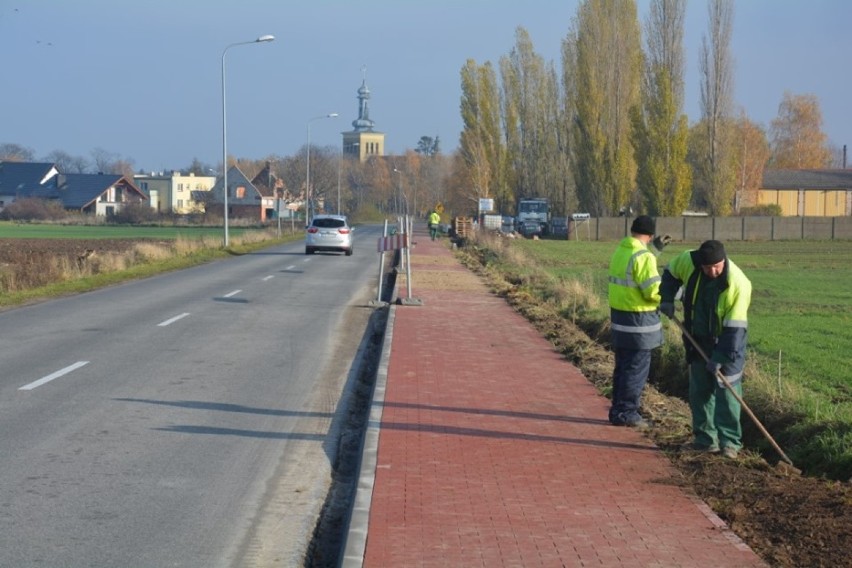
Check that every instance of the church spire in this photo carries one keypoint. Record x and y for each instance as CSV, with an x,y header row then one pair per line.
x,y
363,122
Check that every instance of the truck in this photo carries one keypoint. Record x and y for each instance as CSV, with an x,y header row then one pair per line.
x,y
534,209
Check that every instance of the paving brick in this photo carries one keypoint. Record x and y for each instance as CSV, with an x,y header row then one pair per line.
x,y
486,459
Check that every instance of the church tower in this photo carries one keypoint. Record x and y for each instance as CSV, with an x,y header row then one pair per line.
x,y
362,141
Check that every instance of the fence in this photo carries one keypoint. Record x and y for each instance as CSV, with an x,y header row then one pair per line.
x,y
722,228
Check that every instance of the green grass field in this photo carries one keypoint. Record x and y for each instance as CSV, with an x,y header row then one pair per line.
x,y
799,327
9,230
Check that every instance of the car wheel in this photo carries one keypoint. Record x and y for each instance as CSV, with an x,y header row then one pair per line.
x,y
309,250
349,252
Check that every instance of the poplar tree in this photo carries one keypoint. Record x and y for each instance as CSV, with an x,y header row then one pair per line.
x,y
604,53
531,117
660,129
715,168
480,146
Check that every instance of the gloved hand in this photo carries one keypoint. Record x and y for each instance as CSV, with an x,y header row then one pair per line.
x,y
713,367
660,241
667,309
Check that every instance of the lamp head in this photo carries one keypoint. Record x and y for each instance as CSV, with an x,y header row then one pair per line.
x,y
263,38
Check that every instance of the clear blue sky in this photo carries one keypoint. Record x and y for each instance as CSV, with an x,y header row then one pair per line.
x,y
142,79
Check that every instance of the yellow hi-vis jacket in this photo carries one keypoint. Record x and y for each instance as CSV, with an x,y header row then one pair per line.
x,y
634,296
730,319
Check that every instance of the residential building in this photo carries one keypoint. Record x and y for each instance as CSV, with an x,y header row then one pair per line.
x,y
93,194
173,192
244,199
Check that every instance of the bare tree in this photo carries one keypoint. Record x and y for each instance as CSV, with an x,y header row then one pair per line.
x,y
67,163
16,153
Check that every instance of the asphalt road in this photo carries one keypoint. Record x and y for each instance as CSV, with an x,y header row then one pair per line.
x,y
180,420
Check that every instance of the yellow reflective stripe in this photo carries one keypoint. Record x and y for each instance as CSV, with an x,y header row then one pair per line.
x,y
636,329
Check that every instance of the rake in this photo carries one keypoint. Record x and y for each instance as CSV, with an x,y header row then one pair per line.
x,y
728,385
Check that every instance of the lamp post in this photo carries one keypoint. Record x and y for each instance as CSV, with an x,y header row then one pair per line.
x,y
400,195
261,39
339,159
310,209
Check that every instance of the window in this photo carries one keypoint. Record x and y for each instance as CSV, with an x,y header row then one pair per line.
x,y
241,192
326,223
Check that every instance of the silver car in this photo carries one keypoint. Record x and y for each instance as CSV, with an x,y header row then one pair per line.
x,y
329,233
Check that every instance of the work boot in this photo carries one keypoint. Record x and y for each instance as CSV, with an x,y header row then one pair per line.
x,y
695,448
730,453
639,424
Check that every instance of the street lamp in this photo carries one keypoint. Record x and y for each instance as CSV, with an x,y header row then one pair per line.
x,y
401,196
261,39
310,210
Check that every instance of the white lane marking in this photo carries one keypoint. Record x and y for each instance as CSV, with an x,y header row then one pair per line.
x,y
270,277
234,293
307,260
172,320
52,376
291,267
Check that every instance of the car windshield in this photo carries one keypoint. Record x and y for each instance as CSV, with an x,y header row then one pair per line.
x,y
329,223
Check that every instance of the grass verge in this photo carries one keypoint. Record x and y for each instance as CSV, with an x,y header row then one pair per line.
x,y
797,381
146,260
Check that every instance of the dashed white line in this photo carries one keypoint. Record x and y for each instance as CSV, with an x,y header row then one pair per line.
x,y
291,267
270,277
172,320
234,293
55,375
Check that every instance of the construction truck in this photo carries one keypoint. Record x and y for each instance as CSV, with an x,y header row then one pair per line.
x,y
533,210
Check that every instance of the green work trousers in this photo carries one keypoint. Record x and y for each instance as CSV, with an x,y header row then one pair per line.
x,y
715,411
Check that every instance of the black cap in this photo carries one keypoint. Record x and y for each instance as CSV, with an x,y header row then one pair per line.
x,y
643,225
711,252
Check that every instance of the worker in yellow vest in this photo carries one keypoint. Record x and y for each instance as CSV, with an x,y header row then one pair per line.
x,y
434,222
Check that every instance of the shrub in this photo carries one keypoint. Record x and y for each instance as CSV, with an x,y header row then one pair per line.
x,y
33,209
766,210
134,214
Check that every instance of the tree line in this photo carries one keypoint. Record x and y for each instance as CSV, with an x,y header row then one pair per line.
x,y
604,133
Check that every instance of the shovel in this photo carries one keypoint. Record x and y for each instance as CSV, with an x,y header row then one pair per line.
x,y
728,386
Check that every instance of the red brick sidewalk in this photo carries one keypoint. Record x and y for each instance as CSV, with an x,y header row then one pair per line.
x,y
493,450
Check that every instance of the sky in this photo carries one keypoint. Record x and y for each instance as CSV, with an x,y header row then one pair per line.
x,y
143,79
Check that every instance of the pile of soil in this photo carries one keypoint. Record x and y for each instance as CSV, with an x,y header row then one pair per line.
x,y
790,520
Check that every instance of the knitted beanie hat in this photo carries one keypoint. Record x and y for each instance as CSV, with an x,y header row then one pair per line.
x,y
711,252
643,225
